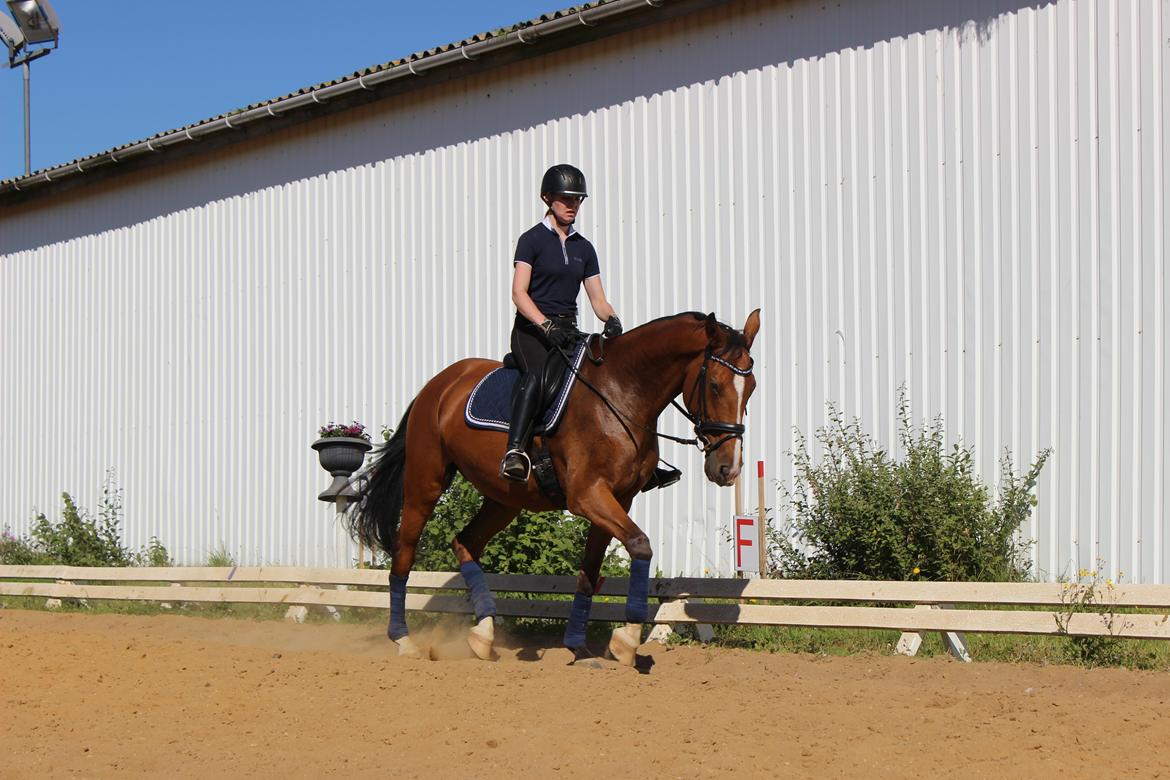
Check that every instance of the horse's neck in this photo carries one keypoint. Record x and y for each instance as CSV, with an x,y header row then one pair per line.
x,y
648,370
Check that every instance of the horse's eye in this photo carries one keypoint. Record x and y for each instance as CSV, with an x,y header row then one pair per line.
x,y
714,388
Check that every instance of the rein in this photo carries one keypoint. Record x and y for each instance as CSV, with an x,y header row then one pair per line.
x,y
597,361
702,426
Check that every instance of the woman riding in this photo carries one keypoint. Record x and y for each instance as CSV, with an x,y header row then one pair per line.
x,y
552,261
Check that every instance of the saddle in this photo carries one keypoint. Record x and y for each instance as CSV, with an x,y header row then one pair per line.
x,y
551,381
489,407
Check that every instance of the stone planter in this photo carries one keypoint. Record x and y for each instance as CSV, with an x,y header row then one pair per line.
x,y
341,456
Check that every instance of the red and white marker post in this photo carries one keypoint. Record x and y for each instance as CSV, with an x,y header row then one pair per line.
x,y
763,546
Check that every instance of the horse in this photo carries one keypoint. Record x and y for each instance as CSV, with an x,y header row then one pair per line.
x,y
603,453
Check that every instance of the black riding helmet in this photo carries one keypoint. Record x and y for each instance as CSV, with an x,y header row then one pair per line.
x,y
563,179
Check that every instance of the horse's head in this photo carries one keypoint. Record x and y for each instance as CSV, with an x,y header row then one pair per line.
x,y
716,391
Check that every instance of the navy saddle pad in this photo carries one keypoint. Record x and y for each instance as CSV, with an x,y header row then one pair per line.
x,y
490,404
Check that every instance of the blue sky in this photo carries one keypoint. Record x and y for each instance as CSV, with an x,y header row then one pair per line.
x,y
127,69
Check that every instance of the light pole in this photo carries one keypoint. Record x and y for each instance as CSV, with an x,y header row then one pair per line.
x,y
36,22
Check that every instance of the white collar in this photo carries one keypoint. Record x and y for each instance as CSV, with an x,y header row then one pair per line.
x,y
548,223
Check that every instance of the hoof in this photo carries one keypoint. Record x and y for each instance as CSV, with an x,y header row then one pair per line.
x,y
481,637
624,643
579,653
583,659
408,649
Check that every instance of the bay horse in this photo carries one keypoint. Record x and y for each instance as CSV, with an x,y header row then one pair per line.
x,y
603,453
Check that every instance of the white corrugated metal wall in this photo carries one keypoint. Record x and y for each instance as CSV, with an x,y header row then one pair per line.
x,y
966,198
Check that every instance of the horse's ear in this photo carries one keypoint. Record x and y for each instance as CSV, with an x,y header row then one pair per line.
x,y
751,327
712,327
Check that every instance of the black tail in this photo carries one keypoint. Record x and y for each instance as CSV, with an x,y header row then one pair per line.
x,y
375,515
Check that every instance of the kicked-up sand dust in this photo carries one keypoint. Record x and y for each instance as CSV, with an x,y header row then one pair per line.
x,y
105,695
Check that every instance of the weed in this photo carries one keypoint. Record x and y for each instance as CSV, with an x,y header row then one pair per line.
x,y
220,557
1092,592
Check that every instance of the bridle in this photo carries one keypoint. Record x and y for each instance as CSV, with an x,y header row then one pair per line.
x,y
706,429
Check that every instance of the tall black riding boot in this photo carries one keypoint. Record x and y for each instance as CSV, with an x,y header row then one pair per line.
x,y
516,463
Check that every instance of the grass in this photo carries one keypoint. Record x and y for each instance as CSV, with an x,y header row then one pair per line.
x,y
1003,648
192,609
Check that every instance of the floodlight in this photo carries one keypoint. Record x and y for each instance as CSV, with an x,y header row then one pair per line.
x,y
37,19
11,35
36,22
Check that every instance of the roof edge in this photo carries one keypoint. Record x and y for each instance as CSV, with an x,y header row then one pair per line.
x,y
484,51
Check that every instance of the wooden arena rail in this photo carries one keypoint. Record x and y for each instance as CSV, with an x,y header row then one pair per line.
x,y
739,601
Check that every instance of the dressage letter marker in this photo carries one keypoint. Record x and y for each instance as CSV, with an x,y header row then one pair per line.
x,y
747,557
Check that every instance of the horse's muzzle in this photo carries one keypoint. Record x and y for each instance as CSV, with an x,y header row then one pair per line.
x,y
722,473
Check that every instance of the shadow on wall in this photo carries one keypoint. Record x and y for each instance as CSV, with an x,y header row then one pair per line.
x,y
739,36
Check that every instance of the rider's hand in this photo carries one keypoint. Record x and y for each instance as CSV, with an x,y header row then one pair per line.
x,y
613,327
558,334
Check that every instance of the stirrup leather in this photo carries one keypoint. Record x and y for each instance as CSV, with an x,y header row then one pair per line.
x,y
527,465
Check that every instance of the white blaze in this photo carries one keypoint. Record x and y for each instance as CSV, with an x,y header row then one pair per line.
x,y
739,381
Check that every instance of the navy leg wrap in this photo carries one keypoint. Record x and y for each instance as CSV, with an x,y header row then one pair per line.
x,y
636,607
397,628
578,618
481,597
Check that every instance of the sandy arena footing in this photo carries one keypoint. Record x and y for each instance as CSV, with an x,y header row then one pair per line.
x,y
100,695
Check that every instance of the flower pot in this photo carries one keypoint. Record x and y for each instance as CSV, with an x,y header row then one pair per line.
x,y
341,456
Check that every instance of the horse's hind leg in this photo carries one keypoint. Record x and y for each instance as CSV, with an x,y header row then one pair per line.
x,y
424,483
468,545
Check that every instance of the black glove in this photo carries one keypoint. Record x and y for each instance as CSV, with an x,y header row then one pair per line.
x,y
558,334
613,328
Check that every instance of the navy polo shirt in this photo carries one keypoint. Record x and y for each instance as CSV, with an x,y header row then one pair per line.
x,y
557,270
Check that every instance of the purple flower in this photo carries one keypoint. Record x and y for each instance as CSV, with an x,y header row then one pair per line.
x,y
354,429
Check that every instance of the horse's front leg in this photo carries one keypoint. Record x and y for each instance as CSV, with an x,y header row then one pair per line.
x,y
588,583
605,511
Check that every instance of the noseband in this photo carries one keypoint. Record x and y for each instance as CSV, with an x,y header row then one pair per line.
x,y
706,429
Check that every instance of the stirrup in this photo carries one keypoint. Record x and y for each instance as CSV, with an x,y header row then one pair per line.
x,y
527,466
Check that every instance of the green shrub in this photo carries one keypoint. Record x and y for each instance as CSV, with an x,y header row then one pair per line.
x,y
533,543
861,514
154,554
19,551
81,538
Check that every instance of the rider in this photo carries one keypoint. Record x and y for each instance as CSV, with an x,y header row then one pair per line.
x,y
552,261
